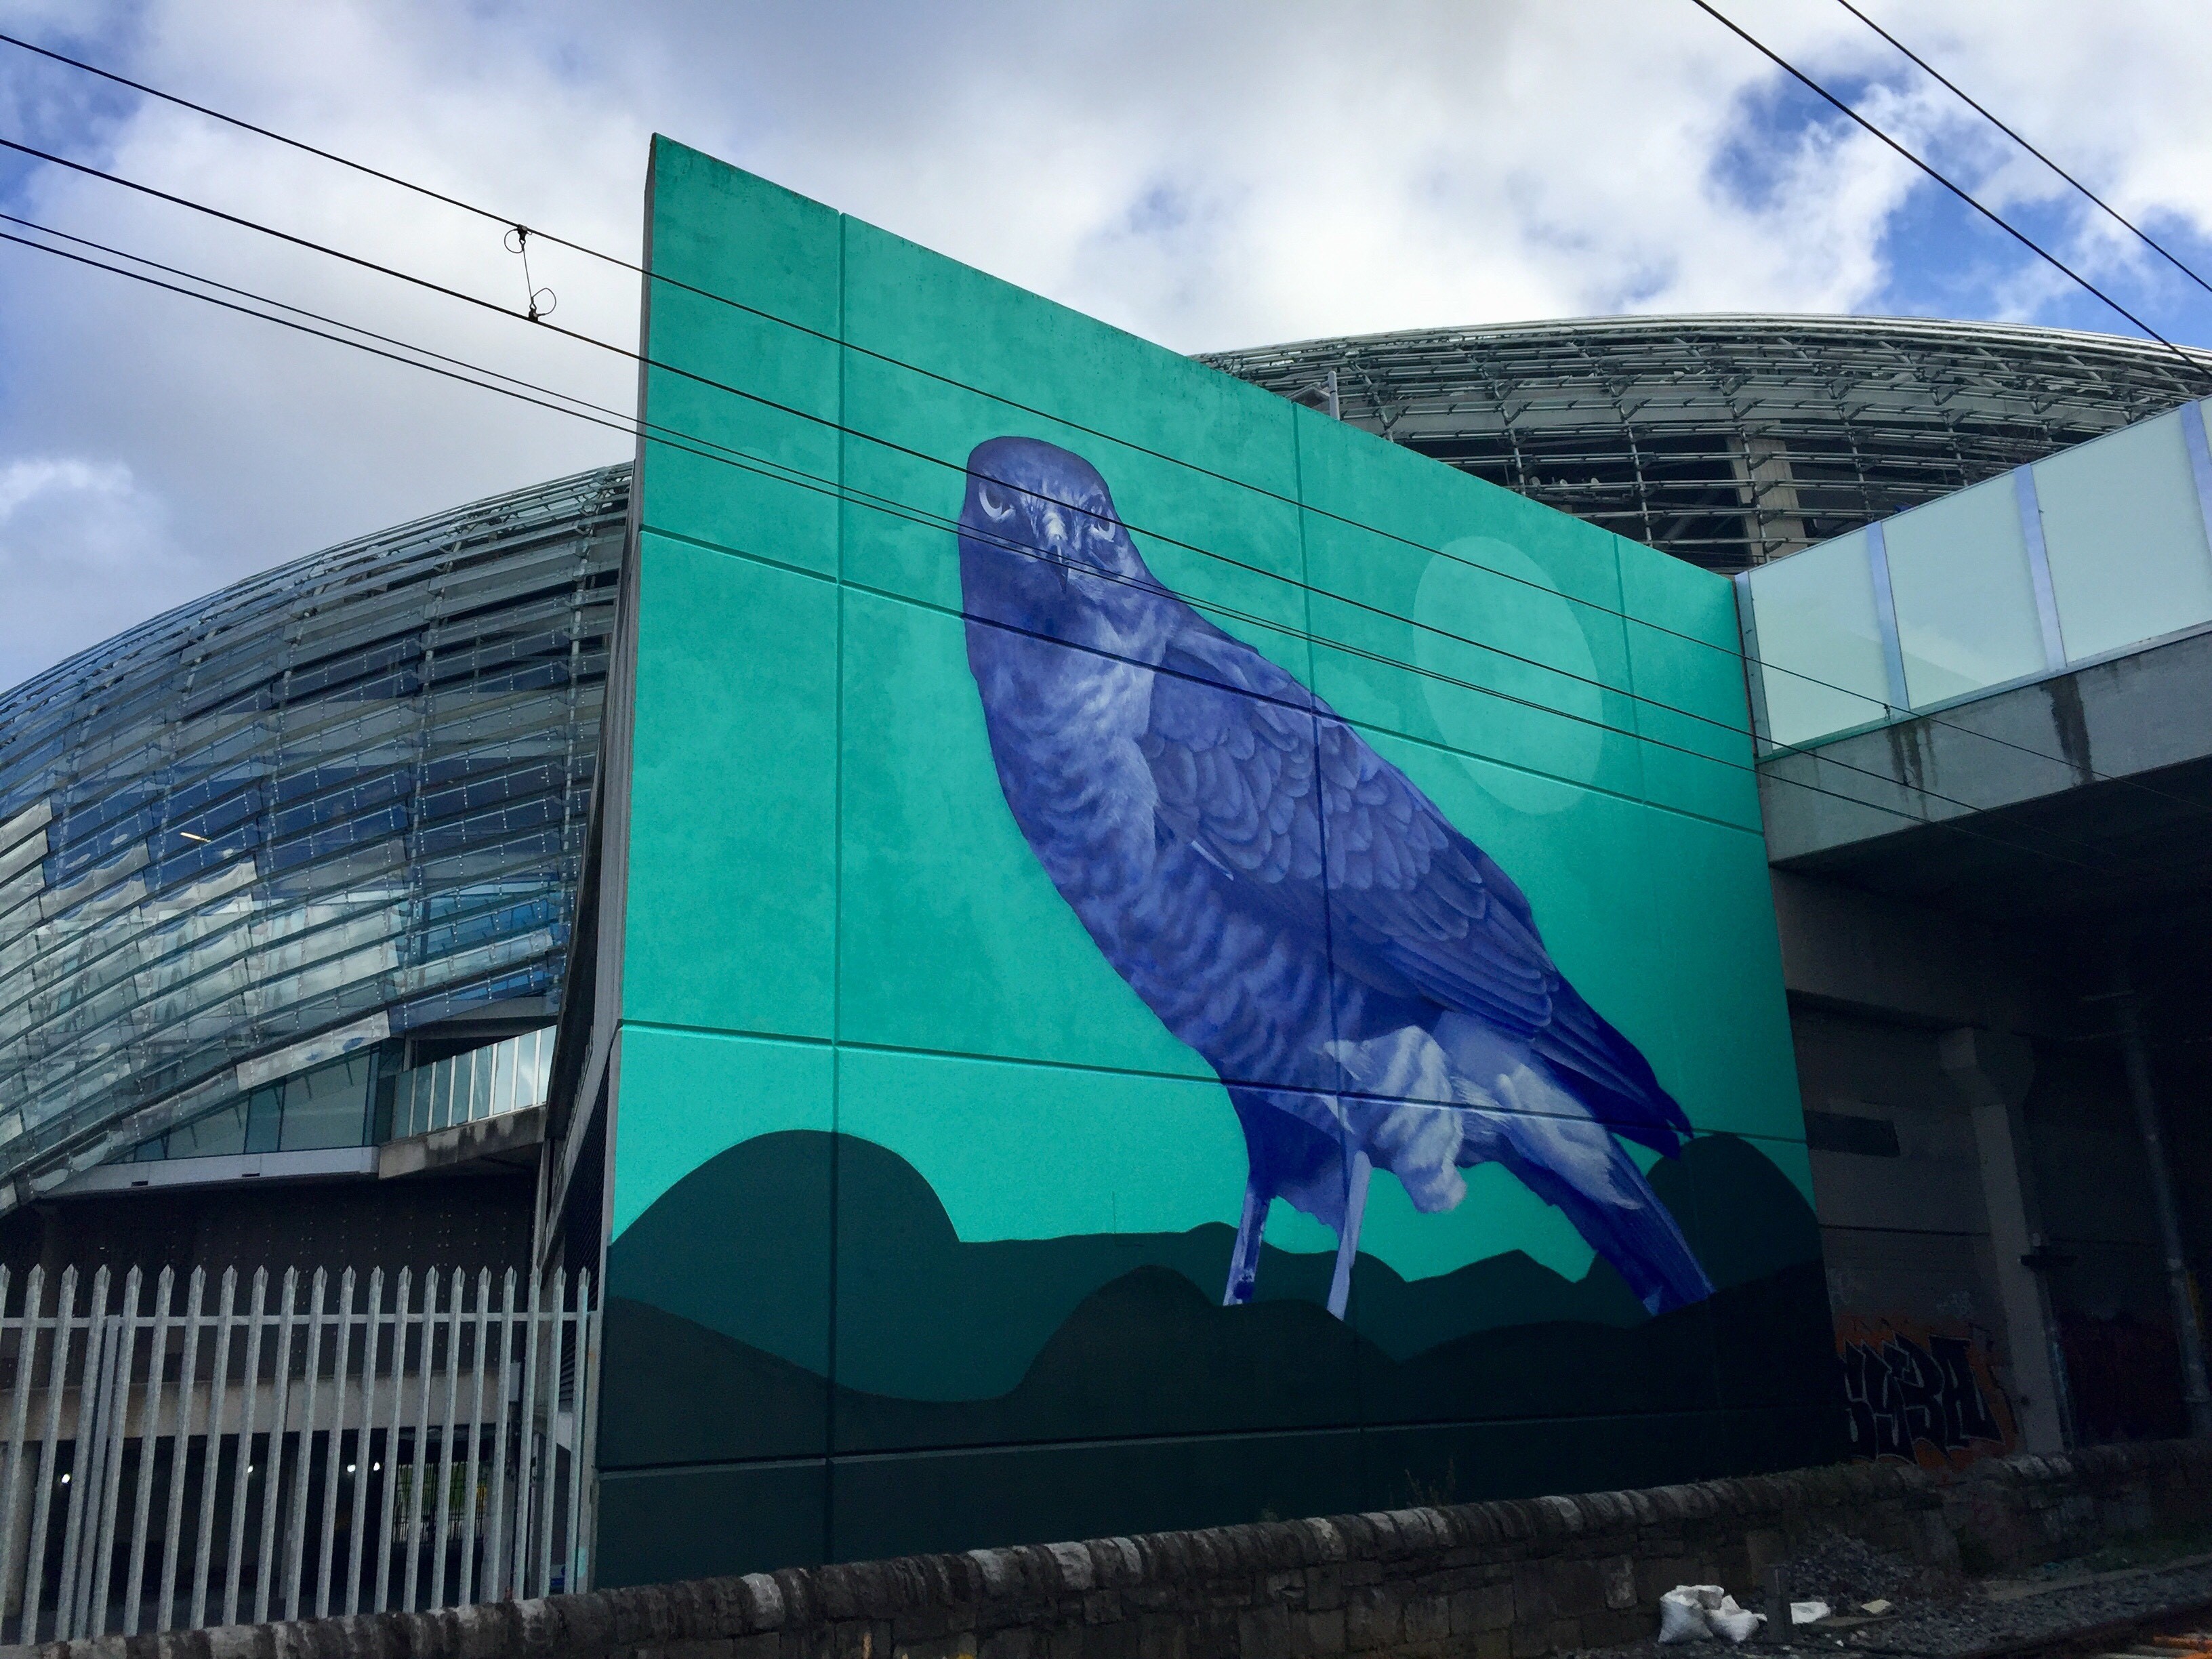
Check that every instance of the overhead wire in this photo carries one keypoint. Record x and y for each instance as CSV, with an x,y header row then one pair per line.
x,y
1928,167
243,126
619,421
297,311
1960,94
662,279
1153,534
515,387
938,522
535,316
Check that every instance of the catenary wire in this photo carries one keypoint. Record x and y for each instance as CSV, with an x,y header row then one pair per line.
x,y
302,311
1150,533
663,279
1179,461
502,219
1958,92
629,426
1959,191
619,421
936,522
265,132
626,425
1155,534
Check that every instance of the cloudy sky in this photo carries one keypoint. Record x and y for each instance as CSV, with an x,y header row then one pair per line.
x,y
1210,176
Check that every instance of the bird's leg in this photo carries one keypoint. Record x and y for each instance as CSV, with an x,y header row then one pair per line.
x,y
1347,1239
1244,1262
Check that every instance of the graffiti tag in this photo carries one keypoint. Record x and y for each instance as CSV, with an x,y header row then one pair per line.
x,y
1921,1394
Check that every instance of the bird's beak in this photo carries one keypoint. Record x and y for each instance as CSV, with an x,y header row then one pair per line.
x,y
1056,539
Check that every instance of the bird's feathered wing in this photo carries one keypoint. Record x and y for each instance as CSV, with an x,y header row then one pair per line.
x,y
1239,752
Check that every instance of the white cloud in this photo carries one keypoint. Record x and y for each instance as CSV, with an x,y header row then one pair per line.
x,y
1210,176
77,536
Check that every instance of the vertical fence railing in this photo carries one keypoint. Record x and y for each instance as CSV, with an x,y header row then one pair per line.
x,y
180,1453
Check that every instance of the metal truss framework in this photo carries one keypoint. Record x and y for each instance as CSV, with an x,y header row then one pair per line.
x,y
1728,441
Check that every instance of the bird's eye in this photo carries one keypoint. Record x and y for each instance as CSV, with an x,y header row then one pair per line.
x,y
992,500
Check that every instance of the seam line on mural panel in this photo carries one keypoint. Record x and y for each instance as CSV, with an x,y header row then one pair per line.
x,y
1155,534
1754,768
1918,1232
1204,1079
766,471
1335,1427
836,968
1359,723
705,545
1338,1430
742,1035
801,479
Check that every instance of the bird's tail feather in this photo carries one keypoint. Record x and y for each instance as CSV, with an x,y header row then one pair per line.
x,y
1578,1168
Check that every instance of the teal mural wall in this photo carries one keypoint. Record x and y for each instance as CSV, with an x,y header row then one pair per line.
x,y
926,1187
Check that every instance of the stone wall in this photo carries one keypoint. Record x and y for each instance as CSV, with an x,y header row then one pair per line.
x,y
2018,1512
1482,1581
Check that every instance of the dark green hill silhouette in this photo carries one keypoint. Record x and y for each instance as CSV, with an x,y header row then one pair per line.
x,y
719,1340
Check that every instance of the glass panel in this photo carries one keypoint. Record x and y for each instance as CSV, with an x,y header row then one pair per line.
x,y
328,1106
220,1132
1966,601
226,778
1823,668
264,1117
442,1098
2126,535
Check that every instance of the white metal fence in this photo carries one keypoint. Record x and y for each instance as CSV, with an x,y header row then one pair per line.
x,y
247,1451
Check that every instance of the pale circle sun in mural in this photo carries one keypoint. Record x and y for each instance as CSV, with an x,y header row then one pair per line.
x,y
1519,608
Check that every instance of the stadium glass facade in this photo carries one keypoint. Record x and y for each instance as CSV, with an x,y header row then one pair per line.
x,y
258,855
255,851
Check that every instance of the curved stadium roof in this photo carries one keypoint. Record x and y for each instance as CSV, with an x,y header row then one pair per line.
x,y
1728,441
342,804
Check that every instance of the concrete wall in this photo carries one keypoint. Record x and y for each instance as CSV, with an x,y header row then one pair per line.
x,y
1966,1107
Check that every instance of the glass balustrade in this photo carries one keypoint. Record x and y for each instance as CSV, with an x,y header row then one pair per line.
x,y
2091,553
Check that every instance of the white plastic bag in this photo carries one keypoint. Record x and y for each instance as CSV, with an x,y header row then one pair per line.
x,y
1808,1613
1736,1623
1683,1614
1732,1621
1686,1613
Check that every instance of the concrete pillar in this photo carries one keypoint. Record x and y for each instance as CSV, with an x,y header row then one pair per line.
x,y
2188,1336
1991,1071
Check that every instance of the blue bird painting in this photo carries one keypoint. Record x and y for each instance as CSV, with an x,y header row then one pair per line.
x,y
1369,985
